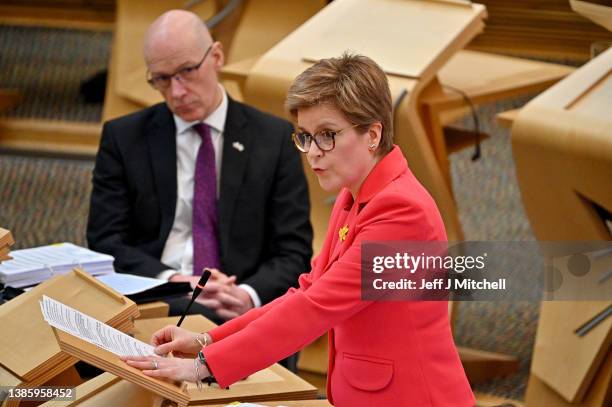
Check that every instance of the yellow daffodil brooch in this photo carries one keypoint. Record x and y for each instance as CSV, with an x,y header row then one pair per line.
x,y
342,232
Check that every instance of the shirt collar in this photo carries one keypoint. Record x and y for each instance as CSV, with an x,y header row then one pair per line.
x,y
215,120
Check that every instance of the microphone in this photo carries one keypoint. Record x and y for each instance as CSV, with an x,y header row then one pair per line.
x,y
196,291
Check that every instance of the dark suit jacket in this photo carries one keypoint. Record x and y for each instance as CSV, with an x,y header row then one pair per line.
x,y
265,233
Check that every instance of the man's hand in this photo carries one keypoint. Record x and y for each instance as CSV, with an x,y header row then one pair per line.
x,y
220,294
224,296
219,277
216,276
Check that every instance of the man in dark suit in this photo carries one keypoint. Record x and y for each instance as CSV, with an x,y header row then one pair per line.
x,y
153,204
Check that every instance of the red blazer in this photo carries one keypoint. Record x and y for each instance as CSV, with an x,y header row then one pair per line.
x,y
381,353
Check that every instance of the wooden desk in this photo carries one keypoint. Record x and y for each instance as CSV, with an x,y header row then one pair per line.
x,y
562,145
483,78
107,389
156,309
272,383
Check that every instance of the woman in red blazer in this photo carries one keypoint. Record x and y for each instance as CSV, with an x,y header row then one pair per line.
x,y
380,352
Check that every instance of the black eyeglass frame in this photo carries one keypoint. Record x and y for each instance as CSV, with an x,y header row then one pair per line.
x,y
313,137
179,72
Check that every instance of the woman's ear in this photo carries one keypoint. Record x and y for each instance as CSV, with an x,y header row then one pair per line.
x,y
375,134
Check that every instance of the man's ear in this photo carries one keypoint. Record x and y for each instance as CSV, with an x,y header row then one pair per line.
x,y
218,55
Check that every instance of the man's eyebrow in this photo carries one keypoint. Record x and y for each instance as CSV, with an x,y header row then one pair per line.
x,y
178,68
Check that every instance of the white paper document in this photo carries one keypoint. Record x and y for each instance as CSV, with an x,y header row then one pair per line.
x,y
35,265
91,330
127,284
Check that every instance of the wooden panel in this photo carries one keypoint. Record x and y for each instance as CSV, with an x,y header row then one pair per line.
x,y
155,309
272,383
314,357
264,23
91,15
108,389
598,11
565,153
444,22
597,100
33,348
557,347
505,119
599,393
538,28
564,165
48,136
488,77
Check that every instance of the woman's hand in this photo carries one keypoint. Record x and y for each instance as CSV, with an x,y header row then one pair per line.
x,y
179,341
177,369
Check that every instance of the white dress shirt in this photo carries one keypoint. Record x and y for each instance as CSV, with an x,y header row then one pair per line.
x,y
178,251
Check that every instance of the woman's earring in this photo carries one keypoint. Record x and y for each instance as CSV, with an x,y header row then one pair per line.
x,y
372,146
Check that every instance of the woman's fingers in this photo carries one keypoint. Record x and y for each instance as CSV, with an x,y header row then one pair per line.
x,y
166,334
160,373
166,348
149,364
168,368
136,358
143,365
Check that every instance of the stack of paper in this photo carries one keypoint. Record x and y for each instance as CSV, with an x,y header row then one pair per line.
x,y
33,266
6,241
90,329
35,357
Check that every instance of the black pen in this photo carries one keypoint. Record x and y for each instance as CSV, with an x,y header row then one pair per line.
x,y
196,291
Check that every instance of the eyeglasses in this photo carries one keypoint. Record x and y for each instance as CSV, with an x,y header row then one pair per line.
x,y
184,74
324,139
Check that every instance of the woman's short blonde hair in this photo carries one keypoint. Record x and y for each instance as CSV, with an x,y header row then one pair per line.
x,y
353,84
